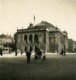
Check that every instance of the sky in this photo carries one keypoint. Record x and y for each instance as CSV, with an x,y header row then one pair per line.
x,y
19,13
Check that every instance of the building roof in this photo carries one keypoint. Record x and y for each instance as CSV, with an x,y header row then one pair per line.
x,y
64,33
5,36
46,25
43,24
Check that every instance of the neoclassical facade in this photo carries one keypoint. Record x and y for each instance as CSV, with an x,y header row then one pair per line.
x,y
44,36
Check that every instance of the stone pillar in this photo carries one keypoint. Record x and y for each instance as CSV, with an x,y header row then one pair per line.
x,y
33,38
33,43
28,38
27,41
47,42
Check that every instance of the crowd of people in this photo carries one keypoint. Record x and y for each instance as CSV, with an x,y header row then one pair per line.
x,y
39,54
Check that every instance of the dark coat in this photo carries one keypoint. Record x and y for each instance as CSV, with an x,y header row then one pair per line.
x,y
28,53
1,51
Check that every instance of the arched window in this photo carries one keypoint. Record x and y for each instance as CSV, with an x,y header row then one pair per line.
x,y
30,48
25,38
36,38
30,38
36,48
25,48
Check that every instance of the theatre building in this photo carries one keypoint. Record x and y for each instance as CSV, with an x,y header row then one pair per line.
x,y
44,36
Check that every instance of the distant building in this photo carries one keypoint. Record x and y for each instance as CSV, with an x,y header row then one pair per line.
x,y
70,45
43,35
5,39
74,46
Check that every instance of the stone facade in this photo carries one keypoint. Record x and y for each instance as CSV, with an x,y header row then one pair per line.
x,y
5,39
72,45
43,35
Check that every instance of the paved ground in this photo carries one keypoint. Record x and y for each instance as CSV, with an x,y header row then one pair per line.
x,y
56,67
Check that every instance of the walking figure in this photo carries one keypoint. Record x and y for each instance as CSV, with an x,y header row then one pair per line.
x,y
1,52
28,55
43,57
36,57
61,53
15,52
40,53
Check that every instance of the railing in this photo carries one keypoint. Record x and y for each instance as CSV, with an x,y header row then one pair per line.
x,y
27,30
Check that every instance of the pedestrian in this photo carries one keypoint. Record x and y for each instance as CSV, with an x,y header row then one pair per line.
x,y
39,53
35,57
61,53
1,52
43,57
28,55
64,53
15,52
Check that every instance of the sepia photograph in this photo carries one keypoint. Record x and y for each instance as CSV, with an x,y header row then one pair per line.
x,y
37,39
